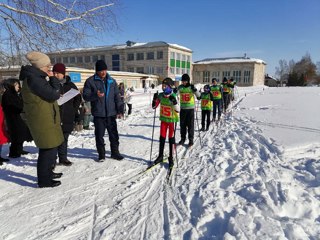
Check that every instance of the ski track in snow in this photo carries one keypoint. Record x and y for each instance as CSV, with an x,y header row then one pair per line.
x,y
234,186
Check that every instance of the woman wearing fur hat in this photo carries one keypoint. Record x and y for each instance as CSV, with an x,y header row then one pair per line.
x,y
67,110
40,92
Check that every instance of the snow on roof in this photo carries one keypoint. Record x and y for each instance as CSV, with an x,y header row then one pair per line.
x,y
123,46
229,60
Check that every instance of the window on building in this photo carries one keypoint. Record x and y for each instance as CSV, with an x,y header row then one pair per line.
x,y
58,59
53,60
246,76
206,77
130,57
94,58
172,55
159,54
188,58
159,70
150,55
178,56
188,71
87,59
130,69
184,57
150,70
226,74
216,74
65,60
237,75
172,70
140,56
72,59
140,69
80,59
115,62
178,70
102,57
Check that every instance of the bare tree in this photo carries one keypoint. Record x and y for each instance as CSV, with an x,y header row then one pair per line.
x,y
282,71
48,25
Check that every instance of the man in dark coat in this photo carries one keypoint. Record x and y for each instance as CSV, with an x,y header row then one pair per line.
x,y
103,93
67,110
40,92
12,106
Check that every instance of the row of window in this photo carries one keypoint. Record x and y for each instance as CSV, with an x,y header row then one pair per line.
x,y
179,56
179,71
147,70
141,56
236,75
78,59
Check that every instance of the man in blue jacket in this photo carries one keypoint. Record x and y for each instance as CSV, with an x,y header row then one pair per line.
x,y
106,105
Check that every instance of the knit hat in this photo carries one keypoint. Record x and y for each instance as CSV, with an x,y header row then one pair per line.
x,y
168,81
38,59
59,68
101,65
185,78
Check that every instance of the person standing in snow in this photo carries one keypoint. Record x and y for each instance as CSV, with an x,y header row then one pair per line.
x,y
128,99
67,110
12,106
40,92
225,94
216,91
106,105
169,110
187,93
206,106
3,129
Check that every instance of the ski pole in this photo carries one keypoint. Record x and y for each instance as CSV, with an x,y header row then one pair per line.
x,y
175,144
154,120
198,123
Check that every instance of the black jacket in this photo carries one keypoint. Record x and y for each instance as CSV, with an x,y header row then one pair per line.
x,y
107,106
68,110
12,106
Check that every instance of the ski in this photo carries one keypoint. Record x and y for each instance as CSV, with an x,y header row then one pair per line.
x,y
169,174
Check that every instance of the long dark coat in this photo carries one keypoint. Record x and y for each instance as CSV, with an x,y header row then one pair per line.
x,y
68,110
12,106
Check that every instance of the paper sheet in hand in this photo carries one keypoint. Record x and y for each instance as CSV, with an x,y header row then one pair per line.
x,y
67,96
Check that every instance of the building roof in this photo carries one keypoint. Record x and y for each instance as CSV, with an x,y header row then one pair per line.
x,y
230,60
128,45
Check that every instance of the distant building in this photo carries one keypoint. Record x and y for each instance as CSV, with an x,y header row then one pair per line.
x,y
79,76
154,58
271,81
246,71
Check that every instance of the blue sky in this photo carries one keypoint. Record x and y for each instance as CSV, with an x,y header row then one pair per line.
x,y
266,29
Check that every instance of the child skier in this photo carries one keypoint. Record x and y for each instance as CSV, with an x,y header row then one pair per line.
x,y
216,91
169,110
206,106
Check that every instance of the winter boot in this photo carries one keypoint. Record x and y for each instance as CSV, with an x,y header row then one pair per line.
x,y
182,141
161,149
190,143
202,129
171,146
3,160
102,153
115,152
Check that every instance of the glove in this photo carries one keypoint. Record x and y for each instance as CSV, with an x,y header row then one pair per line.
x,y
173,100
155,96
193,88
175,90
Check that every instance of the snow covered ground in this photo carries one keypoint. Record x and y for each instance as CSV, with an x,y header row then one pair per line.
x,y
256,175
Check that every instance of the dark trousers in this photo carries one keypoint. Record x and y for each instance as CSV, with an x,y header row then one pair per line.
x,y
226,100
63,148
100,125
129,108
16,148
46,160
187,123
205,114
217,105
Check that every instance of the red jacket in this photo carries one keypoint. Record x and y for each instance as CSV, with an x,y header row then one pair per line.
x,y
3,133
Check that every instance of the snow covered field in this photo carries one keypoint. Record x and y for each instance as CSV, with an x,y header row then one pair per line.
x,y
254,176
